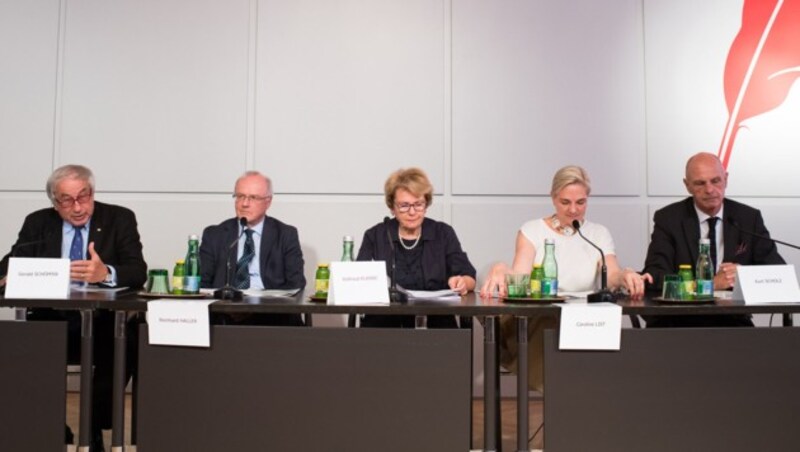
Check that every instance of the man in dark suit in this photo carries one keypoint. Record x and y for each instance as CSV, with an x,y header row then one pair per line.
x,y
678,228
103,243
268,255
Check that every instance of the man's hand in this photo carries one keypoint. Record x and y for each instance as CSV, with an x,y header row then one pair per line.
x,y
726,276
91,271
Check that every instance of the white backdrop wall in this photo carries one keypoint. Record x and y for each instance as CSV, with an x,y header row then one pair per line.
x,y
170,100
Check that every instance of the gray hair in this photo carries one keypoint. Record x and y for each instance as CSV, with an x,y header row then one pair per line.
x,y
78,172
256,173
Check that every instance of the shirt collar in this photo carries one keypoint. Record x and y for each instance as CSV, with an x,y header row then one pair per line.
x,y
702,216
257,228
67,227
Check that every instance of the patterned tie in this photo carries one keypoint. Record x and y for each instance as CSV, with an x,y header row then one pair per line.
x,y
76,249
243,265
712,237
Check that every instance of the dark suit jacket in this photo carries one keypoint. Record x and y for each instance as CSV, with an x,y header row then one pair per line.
x,y
281,259
675,241
116,239
676,234
113,231
442,256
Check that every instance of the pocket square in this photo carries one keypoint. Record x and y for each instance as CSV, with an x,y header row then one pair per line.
x,y
741,249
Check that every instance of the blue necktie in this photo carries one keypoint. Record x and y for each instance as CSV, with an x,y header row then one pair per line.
x,y
243,265
76,249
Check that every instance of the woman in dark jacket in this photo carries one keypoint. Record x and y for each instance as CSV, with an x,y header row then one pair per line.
x,y
428,254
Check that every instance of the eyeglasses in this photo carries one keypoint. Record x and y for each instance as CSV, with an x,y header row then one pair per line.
x,y
65,202
252,198
405,207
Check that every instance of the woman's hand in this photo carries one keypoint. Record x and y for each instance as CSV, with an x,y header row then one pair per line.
x,y
461,284
496,281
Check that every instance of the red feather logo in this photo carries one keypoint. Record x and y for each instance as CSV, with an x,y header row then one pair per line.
x,y
762,65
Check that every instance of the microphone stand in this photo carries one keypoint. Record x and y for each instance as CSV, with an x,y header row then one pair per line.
x,y
228,292
603,295
787,318
395,296
735,224
15,248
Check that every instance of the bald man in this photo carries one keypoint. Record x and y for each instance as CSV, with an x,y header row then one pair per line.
x,y
679,227
274,259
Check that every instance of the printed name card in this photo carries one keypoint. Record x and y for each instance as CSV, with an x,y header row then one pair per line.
x,y
358,283
590,327
760,284
37,277
179,322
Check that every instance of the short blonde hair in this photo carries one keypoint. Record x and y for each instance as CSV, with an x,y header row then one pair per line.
x,y
414,180
569,175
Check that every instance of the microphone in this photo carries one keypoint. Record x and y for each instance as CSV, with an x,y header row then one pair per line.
x,y
732,221
787,318
603,295
228,292
17,246
395,296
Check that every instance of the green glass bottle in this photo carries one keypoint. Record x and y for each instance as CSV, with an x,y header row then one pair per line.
x,y
347,249
191,282
704,272
550,270
322,281
537,275
687,281
178,273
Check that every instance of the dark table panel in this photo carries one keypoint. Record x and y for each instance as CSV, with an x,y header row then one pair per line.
x,y
725,389
262,388
33,385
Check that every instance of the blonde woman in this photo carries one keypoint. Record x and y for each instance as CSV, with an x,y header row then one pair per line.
x,y
579,263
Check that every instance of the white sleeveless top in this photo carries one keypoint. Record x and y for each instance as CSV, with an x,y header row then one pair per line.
x,y
578,262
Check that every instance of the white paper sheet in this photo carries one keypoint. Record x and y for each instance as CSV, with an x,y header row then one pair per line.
x,y
433,295
179,322
595,326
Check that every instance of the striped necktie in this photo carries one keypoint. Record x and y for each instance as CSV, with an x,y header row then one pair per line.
x,y
243,265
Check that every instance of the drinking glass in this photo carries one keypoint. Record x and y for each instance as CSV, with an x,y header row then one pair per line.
x,y
672,287
157,281
518,285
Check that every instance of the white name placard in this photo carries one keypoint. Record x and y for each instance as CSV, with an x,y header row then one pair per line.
x,y
590,327
760,284
37,277
179,322
358,283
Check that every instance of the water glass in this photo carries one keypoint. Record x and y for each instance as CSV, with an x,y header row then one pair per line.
x,y
158,281
518,285
672,287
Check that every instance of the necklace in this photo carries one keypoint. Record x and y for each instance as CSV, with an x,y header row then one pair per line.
x,y
564,229
414,245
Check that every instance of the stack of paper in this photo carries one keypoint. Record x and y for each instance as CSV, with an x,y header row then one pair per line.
x,y
439,295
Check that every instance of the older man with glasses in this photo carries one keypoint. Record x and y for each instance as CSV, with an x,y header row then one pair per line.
x,y
102,241
252,251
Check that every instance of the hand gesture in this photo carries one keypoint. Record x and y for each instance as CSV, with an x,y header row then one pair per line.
x,y
91,271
